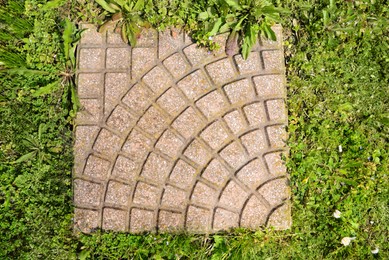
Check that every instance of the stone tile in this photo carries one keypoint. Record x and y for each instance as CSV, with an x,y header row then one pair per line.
x,y
254,214
116,85
169,221
120,119
107,143
115,38
142,220
270,85
234,155
255,142
276,110
221,40
239,91
277,136
157,79
90,36
138,98
194,85
86,220
125,169
137,146
255,114
172,102
114,219
91,59
162,134
168,44
203,195
87,193
118,194
225,220
275,191
273,61
152,122
90,85
215,135
182,175
235,121
197,55
156,168
216,173
84,138
212,105
90,110
253,174
281,218
97,168
118,58
198,219
174,198
188,123
197,153
251,65
147,38
176,65
143,59
275,163
221,71
146,195
233,197
169,144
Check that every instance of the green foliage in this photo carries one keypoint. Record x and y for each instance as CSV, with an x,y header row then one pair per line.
x,y
203,19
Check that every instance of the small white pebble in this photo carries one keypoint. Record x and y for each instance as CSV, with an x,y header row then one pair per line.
x,y
347,240
337,214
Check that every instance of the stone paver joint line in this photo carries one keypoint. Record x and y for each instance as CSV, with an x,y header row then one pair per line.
x,y
172,137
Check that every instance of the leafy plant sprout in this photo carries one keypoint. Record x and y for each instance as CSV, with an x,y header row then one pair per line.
x,y
245,20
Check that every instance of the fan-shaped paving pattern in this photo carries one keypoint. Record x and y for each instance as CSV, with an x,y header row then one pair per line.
x,y
180,138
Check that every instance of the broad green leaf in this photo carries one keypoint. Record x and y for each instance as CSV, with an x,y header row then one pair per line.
x,y
269,33
224,28
124,33
325,17
245,49
105,6
131,35
216,27
53,4
67,37
24,71
203,15
120,3
234,4
75,100
49,88
139,6
26,157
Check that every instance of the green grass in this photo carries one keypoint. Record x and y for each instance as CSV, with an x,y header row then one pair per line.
x,y
338,83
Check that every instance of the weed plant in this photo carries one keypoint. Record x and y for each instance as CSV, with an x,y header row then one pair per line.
x,y
337,56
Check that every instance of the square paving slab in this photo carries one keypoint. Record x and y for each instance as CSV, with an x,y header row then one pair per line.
x,y
172,137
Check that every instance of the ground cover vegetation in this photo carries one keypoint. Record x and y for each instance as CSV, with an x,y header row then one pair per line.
x,y
337,56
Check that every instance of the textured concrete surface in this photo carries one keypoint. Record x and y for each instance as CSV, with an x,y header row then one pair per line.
x,y
172,137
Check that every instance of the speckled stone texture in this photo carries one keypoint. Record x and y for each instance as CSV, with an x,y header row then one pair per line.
x,y
172,137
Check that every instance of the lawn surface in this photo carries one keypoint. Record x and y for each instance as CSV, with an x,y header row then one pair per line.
x,y
337,55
